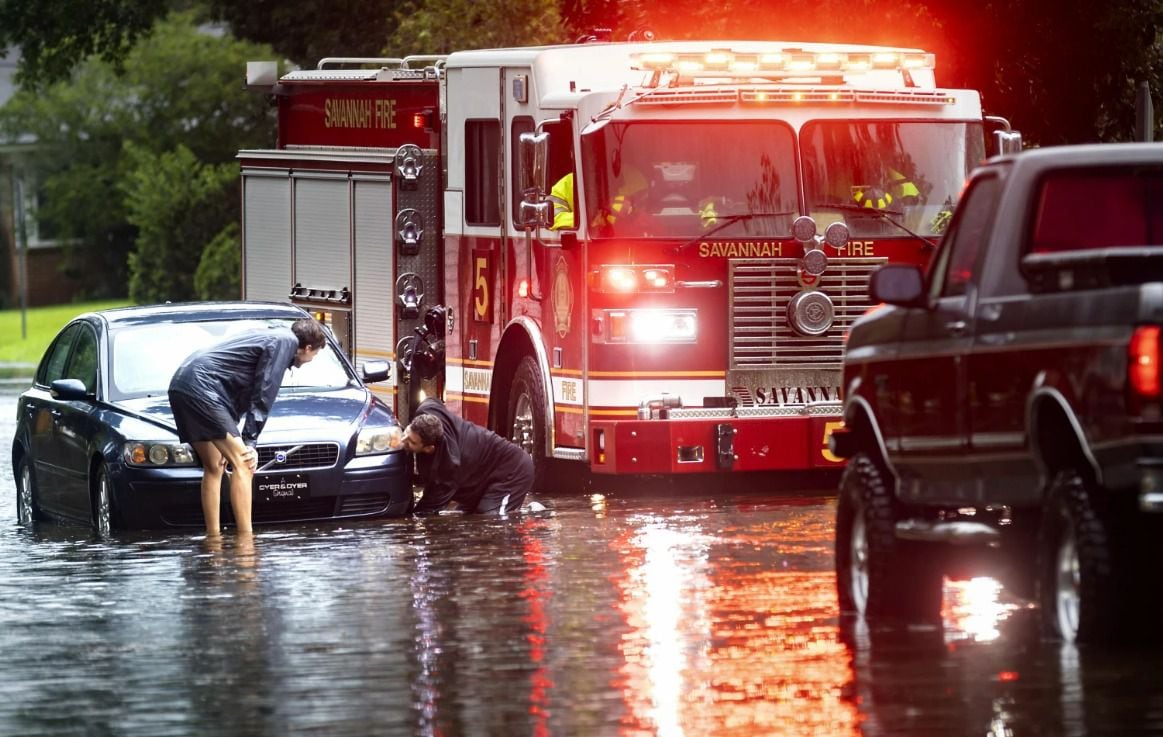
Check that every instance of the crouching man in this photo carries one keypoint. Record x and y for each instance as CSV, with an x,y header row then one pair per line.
x,y
466,463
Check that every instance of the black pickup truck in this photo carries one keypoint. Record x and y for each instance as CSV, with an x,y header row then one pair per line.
x,y
1003,409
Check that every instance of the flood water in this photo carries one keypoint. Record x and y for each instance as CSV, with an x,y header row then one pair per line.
x,y
681,613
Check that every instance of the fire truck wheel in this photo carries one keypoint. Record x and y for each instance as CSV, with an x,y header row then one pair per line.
x,y
878,576
1078,592
526,426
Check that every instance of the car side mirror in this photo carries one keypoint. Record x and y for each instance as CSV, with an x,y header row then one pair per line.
x,y
373,371
898,284
69,389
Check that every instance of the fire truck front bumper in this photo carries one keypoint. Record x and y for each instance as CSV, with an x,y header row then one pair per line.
x,y
710,441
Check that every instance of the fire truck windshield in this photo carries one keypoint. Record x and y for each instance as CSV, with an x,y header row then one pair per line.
x,y
874,175
685,179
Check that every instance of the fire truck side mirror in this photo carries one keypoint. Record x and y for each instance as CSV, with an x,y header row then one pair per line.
x,y
535,214
534,153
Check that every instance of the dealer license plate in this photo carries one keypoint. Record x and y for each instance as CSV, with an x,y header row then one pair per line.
x,y
281,488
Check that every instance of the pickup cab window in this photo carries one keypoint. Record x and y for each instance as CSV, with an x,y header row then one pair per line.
x,y
1079,209
957,262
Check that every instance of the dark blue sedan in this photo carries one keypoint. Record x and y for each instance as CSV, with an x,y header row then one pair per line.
x,y
96,443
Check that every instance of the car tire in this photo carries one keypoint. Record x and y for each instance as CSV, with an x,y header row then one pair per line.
x,y
878,576
1078,590
27,507
526,424
105,518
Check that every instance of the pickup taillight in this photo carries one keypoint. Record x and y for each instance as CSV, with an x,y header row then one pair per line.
x,y
1143,362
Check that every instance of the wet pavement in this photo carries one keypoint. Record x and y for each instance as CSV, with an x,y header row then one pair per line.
x,y
679,613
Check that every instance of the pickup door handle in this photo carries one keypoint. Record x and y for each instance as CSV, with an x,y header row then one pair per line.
x,y
956,327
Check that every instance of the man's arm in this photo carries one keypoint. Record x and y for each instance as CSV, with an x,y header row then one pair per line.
x,y
436,496
268,377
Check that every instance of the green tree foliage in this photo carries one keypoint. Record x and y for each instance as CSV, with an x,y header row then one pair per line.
x,y
178,206
443,26
306,31
218,275
180,86
57,35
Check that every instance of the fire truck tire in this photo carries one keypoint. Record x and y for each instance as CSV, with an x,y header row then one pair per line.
x,y
1078,591
526,424
878,576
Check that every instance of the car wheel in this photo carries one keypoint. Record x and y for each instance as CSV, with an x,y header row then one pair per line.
x,y
878,576
27,510
1078,591
104,513
527,424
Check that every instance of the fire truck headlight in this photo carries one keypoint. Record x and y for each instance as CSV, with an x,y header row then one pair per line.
x,y
619,279
645,326
375,440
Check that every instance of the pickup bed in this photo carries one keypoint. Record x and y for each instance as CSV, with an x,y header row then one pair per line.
x,y
1003,409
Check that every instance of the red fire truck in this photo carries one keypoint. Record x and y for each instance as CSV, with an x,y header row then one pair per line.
x,y
647,254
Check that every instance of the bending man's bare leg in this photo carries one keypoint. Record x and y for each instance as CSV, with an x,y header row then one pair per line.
x,y
213,465
244,460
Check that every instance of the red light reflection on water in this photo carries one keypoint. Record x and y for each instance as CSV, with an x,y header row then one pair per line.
x,y
719,646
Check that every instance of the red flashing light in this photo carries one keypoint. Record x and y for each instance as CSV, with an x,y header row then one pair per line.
x,y
1143,361
422,120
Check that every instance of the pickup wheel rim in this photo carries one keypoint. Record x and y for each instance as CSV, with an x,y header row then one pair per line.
x,y
858,564
24,499
1067,587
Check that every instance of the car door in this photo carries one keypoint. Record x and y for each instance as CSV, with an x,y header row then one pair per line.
x,y
41,412
929,386
75,425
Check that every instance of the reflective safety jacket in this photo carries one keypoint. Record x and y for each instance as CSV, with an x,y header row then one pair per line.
x,y
562,198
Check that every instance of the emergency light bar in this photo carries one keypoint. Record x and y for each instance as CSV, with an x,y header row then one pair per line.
x,y
788,62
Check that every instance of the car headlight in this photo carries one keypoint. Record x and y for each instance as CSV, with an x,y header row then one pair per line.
x,y
373,440
138,453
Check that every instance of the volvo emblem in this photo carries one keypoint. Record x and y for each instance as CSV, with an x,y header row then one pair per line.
x,y
280,457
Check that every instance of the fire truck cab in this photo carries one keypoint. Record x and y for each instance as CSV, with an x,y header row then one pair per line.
x,y
647,255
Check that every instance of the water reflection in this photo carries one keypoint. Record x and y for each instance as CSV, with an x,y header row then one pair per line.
x,y
618,615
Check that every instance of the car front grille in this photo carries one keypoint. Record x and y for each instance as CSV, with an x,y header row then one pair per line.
x,y
297,457
760,291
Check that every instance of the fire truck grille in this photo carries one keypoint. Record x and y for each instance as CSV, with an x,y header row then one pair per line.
x,y
760,291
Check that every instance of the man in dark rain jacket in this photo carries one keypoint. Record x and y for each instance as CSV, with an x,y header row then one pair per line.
x,y
215,387
465,463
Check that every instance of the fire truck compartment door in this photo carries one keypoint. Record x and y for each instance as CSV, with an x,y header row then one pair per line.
x,y
322,232
267,233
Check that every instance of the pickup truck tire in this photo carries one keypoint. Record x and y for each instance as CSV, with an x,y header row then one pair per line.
x,y
1078,591
878,576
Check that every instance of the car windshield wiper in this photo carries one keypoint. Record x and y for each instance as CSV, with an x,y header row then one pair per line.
x,y
875,213
728,220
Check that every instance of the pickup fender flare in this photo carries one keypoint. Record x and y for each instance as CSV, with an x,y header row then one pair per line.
x,y
1046,399
522,337
860,418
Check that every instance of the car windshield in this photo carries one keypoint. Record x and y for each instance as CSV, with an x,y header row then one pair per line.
x,y
145,357
680,179
874,175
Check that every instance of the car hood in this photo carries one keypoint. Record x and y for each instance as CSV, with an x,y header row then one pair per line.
x,y
296,415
